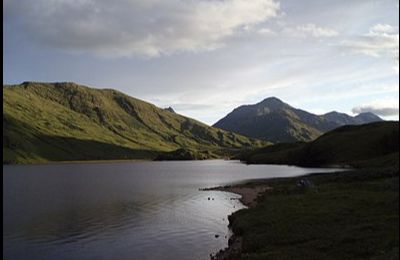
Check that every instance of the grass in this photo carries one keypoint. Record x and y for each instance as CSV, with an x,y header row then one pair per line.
x,y
344,215
347,215
347,145
39,118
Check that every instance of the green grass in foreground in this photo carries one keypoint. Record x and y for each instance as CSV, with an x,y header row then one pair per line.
x,y
348,215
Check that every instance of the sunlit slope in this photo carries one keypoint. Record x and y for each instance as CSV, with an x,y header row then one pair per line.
x,y
66,121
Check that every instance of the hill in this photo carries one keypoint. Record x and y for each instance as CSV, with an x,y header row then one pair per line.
x,y
315,216
358,146
276,121
290,221
67,121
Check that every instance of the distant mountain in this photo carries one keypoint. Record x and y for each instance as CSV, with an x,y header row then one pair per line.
x,y
340,118
67,121
344,119
367,117
276,121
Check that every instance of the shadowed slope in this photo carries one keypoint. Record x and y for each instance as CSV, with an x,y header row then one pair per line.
x,y
356,145
276,121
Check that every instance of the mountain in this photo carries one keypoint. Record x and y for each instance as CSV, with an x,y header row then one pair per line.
x,y
373,144
344,119
67,121
367,117
339,118
276,121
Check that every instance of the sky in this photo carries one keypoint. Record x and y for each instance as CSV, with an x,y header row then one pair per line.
x,y
206,57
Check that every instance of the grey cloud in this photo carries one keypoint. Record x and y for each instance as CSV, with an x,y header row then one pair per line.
x,y
143,27
381,111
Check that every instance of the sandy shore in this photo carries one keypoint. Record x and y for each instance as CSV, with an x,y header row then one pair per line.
x,y
248,198
248,195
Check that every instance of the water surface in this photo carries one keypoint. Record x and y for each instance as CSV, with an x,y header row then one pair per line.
x,y
129,210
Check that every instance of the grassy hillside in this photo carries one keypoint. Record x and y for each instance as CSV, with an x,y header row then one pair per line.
x,y
66,121
345,215
374,143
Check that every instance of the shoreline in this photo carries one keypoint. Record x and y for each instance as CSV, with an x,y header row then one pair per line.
x,y
248,198
77,162
248,195
108,161
335,193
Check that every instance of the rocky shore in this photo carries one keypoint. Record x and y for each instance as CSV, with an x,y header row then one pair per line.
x,y
249,199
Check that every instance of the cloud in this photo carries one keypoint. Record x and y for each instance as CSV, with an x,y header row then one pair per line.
x,y
379,107
143,27
312,30
384,111
266,31
382,39
300,31
382,28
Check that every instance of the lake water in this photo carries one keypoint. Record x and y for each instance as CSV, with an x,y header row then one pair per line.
x,y
129,210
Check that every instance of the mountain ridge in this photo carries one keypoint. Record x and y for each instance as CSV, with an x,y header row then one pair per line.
x,y
65,121
276,121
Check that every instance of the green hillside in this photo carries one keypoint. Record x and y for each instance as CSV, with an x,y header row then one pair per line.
x,y
350,214
363,145
65,121
343,215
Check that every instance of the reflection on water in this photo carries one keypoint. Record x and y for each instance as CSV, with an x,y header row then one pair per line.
x,y
78,223
139,210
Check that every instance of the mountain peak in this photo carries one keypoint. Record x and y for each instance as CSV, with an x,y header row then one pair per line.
x,y
277,121
170,109
334,112
272,100
367,114
272,103
368,117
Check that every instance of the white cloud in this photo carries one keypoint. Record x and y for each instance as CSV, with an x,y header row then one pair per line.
x,y
382,39
384,107
266,31
143,27
382,28
309,30
396,66
312,30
